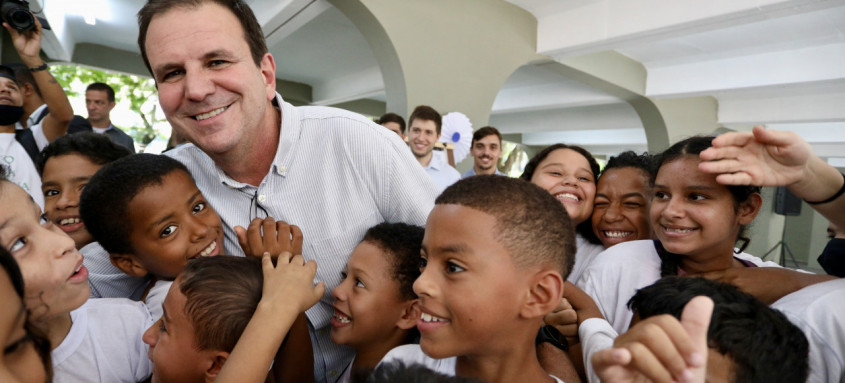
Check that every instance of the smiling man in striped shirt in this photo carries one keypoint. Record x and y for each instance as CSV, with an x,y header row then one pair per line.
x,y
331,172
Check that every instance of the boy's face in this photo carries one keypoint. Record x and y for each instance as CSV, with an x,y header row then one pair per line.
x,y
470,289
367,304
55,279
172,348
171,224
62,182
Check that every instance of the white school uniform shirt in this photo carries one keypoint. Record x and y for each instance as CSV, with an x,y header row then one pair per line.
x,y
819,311
155,298
411,354
19,167
615,275
104,344
585,252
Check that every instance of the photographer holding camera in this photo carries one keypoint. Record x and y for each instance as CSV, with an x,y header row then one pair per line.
x,y
20,145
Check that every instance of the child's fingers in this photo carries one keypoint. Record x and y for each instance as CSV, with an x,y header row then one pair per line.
x,y
647,364
284,258
732,139
240,231
665,340
606,359
270,238
297,259
319,290
296,239
253,234
695,319
266,263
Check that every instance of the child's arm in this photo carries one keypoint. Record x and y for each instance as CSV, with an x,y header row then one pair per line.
x,y
269,236
295,360
660,348
289,290
771,158
767,284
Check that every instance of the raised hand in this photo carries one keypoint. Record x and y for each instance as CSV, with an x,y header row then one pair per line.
x,y
269,236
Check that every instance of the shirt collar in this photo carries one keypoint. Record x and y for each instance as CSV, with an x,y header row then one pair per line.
x,y
31,120
288,136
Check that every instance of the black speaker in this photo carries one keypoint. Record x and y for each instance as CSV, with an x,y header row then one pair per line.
x,y
786,203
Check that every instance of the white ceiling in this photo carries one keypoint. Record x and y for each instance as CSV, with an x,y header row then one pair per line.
x,y
780,62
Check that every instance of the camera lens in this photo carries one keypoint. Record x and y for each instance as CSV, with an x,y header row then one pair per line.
x,y
17,16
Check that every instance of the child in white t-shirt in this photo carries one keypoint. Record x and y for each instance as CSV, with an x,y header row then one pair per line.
x,y
88,345
494,257
375,304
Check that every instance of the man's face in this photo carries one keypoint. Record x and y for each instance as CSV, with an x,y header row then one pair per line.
x,y
98,105
10,92
209,87
422,135
487,152
394,126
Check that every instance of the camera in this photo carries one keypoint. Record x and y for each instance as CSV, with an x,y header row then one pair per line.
x,y
16,14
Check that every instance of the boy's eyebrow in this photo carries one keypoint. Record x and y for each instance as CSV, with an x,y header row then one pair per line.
x,y
455,248
169,216
77,179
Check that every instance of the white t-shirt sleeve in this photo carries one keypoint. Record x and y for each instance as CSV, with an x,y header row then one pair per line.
x,y
614,276
596,335
104,344
155,298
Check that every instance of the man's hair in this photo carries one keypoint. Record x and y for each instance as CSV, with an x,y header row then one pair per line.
x,y
393,117
23,76
584,228
763,344
97,148
530,223
630,159
101,86
399,372
425,112
104,204
401,245
221,294
484,132
253,34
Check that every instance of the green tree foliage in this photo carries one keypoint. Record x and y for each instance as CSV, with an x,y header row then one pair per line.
x,y
140,92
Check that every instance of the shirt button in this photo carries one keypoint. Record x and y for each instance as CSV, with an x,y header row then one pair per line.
x,y
282,169
262,198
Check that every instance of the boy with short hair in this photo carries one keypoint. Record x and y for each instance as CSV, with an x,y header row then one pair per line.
x,y
747,341
495,254
215,302
66,165
147,213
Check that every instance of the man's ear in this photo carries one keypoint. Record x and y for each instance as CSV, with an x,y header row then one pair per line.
x,y
27,89
748,210
410,314
544,294
111,105
268,72
218,359
128,264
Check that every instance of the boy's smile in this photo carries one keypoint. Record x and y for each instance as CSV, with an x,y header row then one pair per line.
x,y
62,182
470,289
171,224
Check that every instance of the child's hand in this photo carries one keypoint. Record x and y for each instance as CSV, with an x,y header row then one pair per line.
x,y
290,283
269,236
575,307
660,348
564,319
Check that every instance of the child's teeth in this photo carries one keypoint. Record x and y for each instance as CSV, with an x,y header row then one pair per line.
x,y
342,318
69,221
617,234
430,318
568,196
209,249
